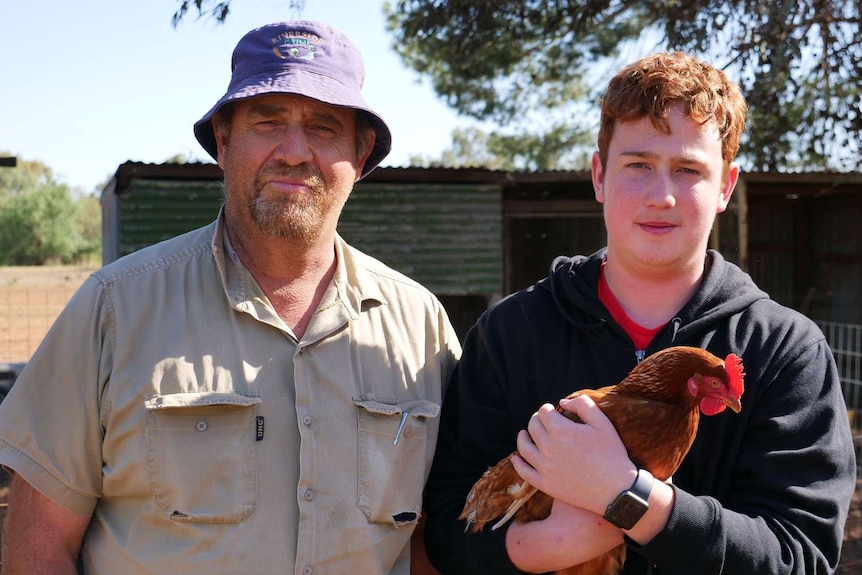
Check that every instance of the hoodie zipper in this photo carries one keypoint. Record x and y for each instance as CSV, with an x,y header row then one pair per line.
x,y
675,323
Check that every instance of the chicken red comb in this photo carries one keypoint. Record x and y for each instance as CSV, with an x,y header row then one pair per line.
x,y
735,375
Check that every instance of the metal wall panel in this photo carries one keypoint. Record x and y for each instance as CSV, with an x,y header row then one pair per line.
x,y
154,210
448,237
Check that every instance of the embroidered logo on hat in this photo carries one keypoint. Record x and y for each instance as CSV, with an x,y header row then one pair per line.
x,y
306,52
295,45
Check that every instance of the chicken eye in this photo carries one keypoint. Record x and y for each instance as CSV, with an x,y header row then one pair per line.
x,y
714,383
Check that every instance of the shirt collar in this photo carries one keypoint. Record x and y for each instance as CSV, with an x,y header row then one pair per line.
x,y
352,283
353,280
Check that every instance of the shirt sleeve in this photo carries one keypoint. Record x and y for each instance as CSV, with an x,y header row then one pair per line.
x,y
50,424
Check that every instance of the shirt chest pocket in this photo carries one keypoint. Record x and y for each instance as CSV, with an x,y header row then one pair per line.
x,y
202,456
393,446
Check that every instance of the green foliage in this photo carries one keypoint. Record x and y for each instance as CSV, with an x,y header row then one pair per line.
x,y
499,59
800,66
560,148
26,175
798,62
177,159
218,9
40,220
88,219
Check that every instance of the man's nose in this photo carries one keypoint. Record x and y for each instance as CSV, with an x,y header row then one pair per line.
x,y
661,192
293,146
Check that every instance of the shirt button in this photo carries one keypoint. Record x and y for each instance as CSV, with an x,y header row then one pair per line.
x,y
306,420
309,494
307,571
202,426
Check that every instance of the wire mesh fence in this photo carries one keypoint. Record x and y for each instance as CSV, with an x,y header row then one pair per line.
x,y
845,339
25,317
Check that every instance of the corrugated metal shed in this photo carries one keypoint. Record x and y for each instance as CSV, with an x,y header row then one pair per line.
x,y
156,210
145,204
446,236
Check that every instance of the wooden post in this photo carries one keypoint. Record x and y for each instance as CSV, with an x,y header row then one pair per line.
x,y
741,194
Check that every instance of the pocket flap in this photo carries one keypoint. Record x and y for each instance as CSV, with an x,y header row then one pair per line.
x,y
204,399
416,407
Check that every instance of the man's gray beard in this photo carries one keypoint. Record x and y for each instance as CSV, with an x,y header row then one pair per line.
x,y
284,219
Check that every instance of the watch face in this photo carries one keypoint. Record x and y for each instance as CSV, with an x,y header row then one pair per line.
x,y
626,510
630,505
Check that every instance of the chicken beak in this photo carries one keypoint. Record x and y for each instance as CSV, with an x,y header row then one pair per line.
x,y
733,403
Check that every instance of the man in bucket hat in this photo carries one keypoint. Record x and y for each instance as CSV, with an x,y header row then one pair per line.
x,y
252,397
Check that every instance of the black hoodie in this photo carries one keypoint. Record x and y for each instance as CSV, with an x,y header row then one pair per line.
x,y
763,491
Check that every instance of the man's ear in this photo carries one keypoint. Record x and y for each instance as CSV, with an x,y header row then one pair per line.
x,y
221,142
598,178
728,186
360,161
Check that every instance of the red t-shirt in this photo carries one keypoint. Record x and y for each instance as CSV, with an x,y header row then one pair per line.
x,y
641,336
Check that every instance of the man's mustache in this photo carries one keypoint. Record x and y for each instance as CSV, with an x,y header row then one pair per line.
x,y
307,173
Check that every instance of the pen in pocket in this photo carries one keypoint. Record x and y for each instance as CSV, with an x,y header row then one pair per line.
x,y
400,427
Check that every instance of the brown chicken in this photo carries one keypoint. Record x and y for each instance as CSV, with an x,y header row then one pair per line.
x,y
655,410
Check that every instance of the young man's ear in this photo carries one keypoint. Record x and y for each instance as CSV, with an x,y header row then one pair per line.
x,y
598,177
729,184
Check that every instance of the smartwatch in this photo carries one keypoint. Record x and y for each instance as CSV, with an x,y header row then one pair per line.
x,y
630,505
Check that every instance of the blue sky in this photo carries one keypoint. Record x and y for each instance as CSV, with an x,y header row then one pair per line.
x,y
89,84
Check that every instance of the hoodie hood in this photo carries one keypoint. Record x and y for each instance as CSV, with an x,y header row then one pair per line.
x,y
725,290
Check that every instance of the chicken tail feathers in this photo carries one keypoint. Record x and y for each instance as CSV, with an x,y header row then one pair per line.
x,y
515,506
500,492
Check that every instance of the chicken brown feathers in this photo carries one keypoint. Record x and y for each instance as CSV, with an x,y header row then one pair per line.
x,y
655,410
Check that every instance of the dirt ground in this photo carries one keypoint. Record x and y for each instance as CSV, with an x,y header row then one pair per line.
x,y
851,552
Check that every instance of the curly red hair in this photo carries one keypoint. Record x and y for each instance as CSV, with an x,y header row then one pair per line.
x,y
654,85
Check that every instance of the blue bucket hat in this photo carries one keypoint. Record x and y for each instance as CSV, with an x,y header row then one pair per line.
x,y
303,58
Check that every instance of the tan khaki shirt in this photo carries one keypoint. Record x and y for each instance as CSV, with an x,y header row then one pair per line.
x,y
172,403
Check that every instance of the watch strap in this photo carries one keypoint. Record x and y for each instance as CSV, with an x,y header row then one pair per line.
x,y
642,486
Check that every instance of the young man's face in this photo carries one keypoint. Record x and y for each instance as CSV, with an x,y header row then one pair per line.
x,y
289,163
661,193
